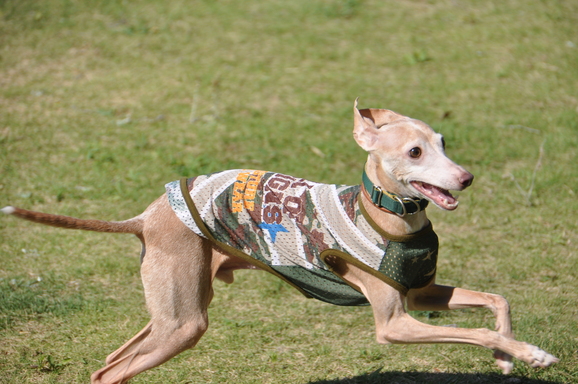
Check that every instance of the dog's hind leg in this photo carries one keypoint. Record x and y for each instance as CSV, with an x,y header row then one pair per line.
x,y
130,346
176,273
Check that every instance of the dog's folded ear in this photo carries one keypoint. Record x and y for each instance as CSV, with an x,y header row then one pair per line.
x,y
366,123
381,117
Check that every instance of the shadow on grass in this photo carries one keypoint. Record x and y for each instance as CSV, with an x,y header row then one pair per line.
x,y
379,377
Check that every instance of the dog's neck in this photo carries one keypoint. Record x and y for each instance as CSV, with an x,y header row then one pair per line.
x,y
390,222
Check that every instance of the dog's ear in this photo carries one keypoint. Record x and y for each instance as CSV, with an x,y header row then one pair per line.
x,y
381,117
366,123
364,130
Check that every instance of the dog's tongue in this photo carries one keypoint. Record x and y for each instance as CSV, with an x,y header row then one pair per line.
x,y
438,196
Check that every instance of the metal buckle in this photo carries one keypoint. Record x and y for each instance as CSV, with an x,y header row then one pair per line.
x,y
417,206
402,206
376,194
402,203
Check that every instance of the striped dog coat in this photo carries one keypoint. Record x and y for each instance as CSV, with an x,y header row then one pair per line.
x,y
289,226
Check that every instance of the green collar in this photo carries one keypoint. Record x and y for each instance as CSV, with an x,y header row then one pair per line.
x,y
392,202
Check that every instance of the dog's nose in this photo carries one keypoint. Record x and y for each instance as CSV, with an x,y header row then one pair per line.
x,y
466,179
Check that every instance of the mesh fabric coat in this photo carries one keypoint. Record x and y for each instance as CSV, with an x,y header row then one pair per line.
x,y
289,226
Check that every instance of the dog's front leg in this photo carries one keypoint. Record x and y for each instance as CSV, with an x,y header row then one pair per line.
x,y
441,298
395,325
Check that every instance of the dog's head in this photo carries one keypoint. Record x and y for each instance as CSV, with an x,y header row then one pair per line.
x,y
407,157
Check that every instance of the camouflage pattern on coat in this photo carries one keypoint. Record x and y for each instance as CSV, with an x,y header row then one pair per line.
x,y
288,226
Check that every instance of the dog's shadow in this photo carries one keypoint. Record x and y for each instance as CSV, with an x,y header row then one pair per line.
x,y
379,377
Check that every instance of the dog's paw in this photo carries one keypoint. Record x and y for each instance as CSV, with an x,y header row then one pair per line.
x,y
504,362
541,358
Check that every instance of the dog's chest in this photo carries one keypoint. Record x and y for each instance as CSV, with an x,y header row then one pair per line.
x,y
291,225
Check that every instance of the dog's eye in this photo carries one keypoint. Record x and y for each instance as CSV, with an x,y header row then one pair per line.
x,y
415,152
443,143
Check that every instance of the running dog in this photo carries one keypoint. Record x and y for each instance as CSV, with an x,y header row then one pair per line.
x,y
347,245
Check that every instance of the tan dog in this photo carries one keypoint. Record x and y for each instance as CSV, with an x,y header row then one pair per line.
x,y
406,164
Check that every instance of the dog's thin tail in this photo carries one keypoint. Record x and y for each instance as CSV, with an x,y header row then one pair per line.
x,y
133,225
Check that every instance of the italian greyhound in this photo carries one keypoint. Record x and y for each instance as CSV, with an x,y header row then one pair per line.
x,y
350,238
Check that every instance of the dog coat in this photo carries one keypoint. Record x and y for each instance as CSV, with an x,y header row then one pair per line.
x,y
289,226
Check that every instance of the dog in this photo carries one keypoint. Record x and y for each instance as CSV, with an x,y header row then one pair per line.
x,y
347,245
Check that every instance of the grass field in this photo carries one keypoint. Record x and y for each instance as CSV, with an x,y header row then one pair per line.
x,y
102,103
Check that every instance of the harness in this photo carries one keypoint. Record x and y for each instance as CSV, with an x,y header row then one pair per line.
x,y
289,226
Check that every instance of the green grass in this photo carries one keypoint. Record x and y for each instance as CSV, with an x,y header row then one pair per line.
x,y
103,102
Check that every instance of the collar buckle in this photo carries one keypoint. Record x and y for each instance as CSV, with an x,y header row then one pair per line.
x,y
401,206
376,194
410,200
404,210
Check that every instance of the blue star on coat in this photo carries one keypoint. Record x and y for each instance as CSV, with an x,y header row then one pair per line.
x,y
273,229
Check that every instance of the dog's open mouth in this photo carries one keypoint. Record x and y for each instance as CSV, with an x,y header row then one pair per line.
x,y
439,196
